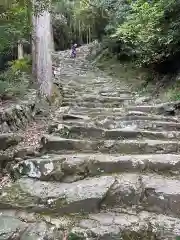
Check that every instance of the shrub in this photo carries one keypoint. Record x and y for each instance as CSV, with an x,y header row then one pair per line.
x,y
20,65
152,30
15,81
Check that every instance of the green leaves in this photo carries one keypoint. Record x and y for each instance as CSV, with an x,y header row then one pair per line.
x,y
151,29
14,23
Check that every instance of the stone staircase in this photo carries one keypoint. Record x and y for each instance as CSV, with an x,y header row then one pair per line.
x,y
109,168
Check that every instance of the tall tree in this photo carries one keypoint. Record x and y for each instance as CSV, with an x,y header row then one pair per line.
x,y
42,46
41,33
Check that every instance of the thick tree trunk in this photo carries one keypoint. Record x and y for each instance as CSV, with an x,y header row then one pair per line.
x,y
43,49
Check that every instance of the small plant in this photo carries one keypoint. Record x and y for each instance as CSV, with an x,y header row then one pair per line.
x,y
73,236
20,65
174,95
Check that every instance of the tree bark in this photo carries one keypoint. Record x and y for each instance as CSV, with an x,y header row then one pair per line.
x,y
20,50
42,47
52,37
33,45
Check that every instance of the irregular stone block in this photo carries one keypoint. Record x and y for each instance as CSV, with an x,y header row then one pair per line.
x,y
38,196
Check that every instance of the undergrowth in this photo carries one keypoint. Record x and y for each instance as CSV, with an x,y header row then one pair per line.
x,y
166,88
14,82
127,73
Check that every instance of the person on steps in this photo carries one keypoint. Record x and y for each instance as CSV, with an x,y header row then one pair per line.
x,y
73,51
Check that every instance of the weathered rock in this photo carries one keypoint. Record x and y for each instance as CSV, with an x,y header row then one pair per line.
x,y
118,134
55,144
18,225
47,167
16,115
170,108
75,167
142,99
11,228
5,127
94,102
146,117
94,111
122,93
25,152
5,158
162,108
37,196
41,230
114,225
150,192
73,117
9,139
149,125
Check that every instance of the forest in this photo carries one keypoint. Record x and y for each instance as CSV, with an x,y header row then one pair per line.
x,y
145,33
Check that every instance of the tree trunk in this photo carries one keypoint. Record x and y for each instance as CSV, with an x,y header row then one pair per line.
x,y
43,49
89,34
52,37
33,45
20,50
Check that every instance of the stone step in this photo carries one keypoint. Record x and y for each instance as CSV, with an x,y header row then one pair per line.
x,y
115,92
102,99
71,117
126,225
62,198
85,102
103,225
23,226
98,110
94,112
58,144
154,125
148,192
70,123
73,167
137,118
117,134
112,111
118,119
163,108
78,103
159,109
78,123
138,124
144,108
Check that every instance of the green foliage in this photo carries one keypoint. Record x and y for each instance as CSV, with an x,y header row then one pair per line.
x,y
143,31
173,93
15,27
11,27
73,236
20,65
13,85
151,29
